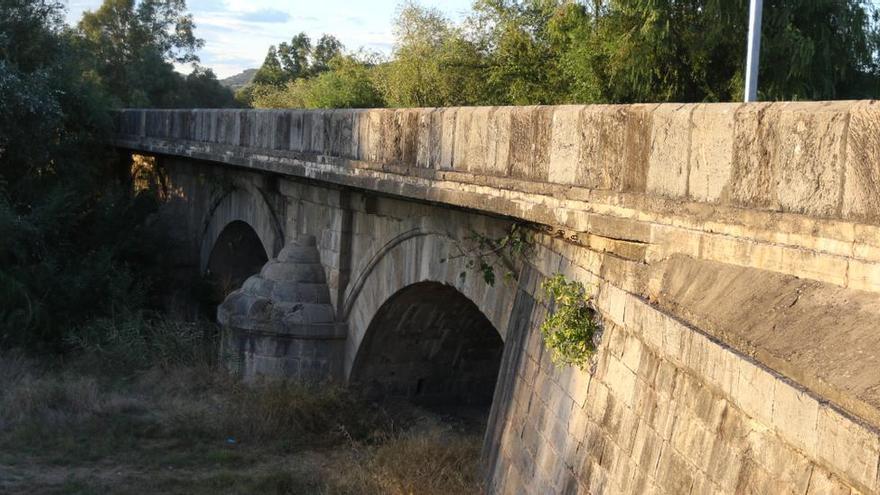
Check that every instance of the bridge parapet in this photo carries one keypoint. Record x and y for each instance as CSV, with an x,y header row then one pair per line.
x,y
817,158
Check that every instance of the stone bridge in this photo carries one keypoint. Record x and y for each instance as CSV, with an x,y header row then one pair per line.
x,y
732,252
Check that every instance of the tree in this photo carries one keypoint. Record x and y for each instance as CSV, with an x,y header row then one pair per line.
x,y
270,72
346,84
327,48
294,57
201,89
525,43
70,232
433,64
133,44
694,50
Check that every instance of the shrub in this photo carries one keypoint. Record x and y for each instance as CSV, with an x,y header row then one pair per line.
x,y
571,328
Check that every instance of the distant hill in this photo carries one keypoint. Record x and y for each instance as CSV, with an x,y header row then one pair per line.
x,y
239,80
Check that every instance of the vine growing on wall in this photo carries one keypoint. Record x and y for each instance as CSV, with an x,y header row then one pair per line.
x,y
571,328
490,255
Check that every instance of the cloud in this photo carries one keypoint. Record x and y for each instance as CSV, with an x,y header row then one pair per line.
x,y
265,16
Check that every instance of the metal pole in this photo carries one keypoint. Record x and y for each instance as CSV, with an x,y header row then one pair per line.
x,y
754,50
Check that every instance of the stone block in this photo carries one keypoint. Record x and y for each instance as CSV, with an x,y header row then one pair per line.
x,y
448,119
849,448
755,391
498,138
664,382
598,400
674,473
576,384
340,133
425,137
462,135
320,134
670,146
631,357
374,136
565,142
824,483
861,193
577,423
621,381
667,240
751,179
478,142
787,469
796,416
816,266
711,151
647,446
407,123
790,156
614,338
530,129
389,129
862,275
615,147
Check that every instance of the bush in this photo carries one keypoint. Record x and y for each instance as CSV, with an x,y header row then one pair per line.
x,y
571,329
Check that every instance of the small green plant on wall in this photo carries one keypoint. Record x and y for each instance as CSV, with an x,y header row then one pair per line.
x,y
488,254
570,329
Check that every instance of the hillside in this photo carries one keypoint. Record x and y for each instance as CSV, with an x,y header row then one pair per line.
x,y
239,80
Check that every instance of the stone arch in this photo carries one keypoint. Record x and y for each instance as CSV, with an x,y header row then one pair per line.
x,y
430,344
411,257
237,254
246,203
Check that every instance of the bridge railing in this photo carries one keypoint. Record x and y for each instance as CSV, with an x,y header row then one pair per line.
x,y
820,158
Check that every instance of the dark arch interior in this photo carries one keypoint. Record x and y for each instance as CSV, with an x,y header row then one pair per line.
x,y
431,345
237,254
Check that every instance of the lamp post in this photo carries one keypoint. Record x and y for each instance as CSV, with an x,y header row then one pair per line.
x,y
754,50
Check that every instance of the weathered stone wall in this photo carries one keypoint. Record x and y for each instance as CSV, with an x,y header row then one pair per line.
x,y
665,409
734,251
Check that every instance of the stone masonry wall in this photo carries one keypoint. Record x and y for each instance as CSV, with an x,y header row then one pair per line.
x,y
665,409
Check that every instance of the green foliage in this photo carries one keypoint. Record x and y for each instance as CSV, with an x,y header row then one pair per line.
x,y
298,60
347,84
270,73
570,329
525,52
694,50
486,254
73,241
129,47
434,64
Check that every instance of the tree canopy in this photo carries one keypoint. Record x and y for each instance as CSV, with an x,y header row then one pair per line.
x,y
130,47
521,52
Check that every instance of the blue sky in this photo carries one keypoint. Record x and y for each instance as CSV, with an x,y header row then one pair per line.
x,y
237,33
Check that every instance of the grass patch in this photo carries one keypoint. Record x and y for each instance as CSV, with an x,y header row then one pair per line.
x,y
183,425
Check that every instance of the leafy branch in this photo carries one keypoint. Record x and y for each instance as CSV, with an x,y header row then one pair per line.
x,y
486,254
571,328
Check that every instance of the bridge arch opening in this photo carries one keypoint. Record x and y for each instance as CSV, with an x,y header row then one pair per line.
x,y
237,254
431,345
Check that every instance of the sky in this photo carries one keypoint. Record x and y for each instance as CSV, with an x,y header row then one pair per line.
x,y
237,33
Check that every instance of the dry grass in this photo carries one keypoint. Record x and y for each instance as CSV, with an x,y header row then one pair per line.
x,y
191,428
429,459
